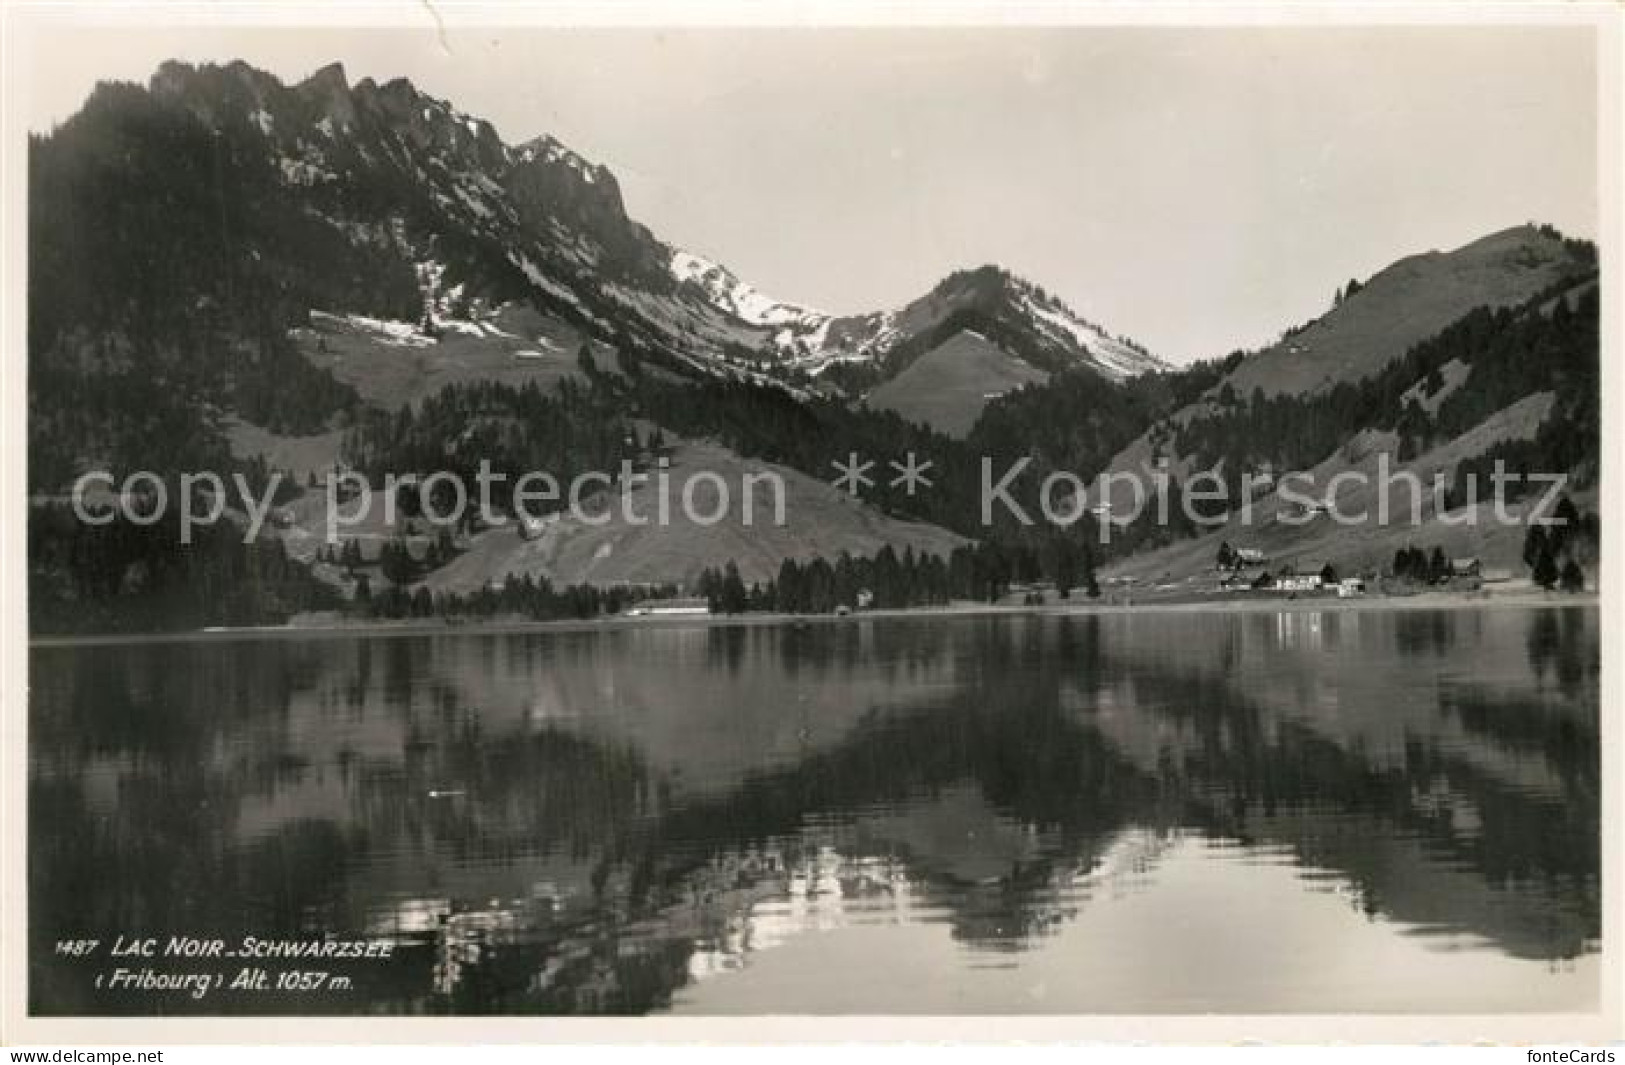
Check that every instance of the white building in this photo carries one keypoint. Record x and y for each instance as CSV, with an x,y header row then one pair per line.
x,y
668,608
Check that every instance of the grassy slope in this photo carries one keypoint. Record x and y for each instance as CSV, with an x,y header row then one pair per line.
x,y
514,346
1403,304
299,455
948,386
1408,302
1400,306
1369,545
819,520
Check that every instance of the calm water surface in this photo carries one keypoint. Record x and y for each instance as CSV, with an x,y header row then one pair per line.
x,y
1337,811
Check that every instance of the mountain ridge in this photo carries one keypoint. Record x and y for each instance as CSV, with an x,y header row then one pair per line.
x,y
1405,303
575,217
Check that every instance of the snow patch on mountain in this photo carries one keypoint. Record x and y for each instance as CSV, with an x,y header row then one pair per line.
x,y
559,220
303,172
534,274
1115,357
707,332
386,331
743,301
551,150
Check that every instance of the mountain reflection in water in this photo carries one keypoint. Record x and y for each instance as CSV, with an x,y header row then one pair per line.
x,y
1256,812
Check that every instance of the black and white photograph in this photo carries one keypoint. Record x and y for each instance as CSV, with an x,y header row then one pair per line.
x,y
692,520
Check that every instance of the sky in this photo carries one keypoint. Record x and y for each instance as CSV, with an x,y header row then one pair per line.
x,y
1197,189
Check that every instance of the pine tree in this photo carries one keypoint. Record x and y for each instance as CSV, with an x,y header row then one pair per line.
x,y
1573,578
1534,542
395,560
710,589
732,591
1066,568
1545,569
1565,521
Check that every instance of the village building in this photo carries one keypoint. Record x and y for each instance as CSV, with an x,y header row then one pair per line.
x,y
530,527
1466,567
685,607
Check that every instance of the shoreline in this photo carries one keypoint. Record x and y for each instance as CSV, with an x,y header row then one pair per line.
x,y
1067,608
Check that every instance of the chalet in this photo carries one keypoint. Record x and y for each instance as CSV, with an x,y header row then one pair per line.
x,y
1248,556
1466,567
1289,580
1244,577
1350,587
531,526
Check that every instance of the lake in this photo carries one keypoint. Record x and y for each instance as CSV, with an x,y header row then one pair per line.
x,y
1336,811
